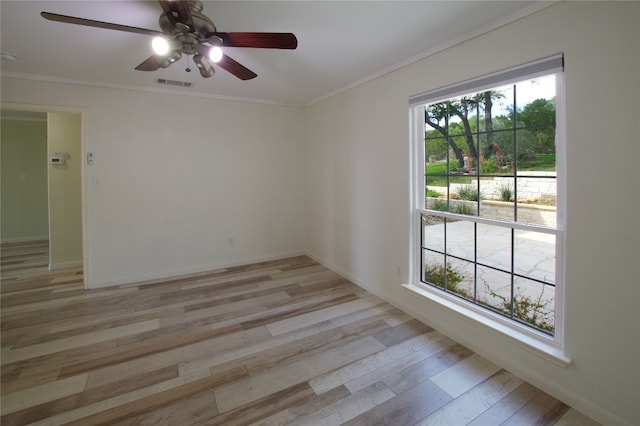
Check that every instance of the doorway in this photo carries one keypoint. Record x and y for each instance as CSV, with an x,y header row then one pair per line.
x,y
41,189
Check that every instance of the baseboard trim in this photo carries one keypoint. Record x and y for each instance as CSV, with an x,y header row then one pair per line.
x,y
65,265
24,239
186,272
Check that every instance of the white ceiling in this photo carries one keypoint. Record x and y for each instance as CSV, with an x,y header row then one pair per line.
x,y
340,43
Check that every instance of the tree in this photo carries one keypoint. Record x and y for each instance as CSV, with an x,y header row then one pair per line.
x,y
539,117
436,113
463,109
488,121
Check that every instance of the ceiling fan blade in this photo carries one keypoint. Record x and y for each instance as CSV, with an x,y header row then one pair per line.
x,y
177,12
97,24
260,40
149,64
236,68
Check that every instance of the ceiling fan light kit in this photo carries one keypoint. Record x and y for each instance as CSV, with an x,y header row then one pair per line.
x,y
216,54
160,45
186,30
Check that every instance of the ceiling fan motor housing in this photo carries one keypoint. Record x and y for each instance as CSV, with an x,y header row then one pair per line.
x,y
188,37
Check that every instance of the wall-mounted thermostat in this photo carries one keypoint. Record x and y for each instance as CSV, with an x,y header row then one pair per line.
x,y
58,158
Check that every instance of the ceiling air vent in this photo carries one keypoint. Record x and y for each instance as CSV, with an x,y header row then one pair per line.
x,y
174,82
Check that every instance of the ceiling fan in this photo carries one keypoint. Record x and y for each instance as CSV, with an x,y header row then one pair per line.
x,y
186,30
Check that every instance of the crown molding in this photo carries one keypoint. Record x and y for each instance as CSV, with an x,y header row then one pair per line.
x,y
160,90
516,16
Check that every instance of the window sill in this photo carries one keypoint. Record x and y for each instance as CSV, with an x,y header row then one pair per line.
x,y
530,340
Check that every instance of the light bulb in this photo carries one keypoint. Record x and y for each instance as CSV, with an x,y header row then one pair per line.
x,y
160,45
215,54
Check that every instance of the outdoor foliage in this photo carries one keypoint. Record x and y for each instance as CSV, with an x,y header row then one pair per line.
x,y
489,166
434,273
432,193
462,208
440,205
465,127
526,308
540,118
531,310
469,193
506,193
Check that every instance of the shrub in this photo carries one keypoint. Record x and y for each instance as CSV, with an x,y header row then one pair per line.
x,y
434,273
440,205
463,208
526,308
489,166
432,193
506,193
469,193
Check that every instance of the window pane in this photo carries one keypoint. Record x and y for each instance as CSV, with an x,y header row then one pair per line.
x,y
494,162
494,246
533,153
494,289
433,268
537,199
435,147
433,232
535,255
501,151
503,103
534,303
437,170
460,274
498,200
460,239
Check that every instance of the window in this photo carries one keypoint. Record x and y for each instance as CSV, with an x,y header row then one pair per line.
x,y
489,195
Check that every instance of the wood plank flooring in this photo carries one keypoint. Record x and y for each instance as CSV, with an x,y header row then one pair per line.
x,y
273,343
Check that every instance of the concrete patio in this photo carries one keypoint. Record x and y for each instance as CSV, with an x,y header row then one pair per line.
x,y
533,257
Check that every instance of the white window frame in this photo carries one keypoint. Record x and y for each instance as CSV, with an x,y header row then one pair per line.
x,y
550,347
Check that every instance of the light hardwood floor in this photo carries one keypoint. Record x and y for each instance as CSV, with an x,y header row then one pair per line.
x,y
280,342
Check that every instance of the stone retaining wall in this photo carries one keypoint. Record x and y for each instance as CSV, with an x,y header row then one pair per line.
x,y
527,213
529,188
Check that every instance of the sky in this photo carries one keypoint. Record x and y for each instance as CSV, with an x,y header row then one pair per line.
x,y
527,92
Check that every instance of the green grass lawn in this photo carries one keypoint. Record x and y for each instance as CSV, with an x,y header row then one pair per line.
x,y
437,172
543,163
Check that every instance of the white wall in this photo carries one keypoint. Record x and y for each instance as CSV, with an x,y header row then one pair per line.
x,y
175,178
358,195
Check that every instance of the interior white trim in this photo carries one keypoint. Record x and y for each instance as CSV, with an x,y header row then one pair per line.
x,y
195,93
190,271
25,239
65,265
85,262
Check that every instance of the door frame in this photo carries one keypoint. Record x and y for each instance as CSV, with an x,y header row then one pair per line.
x,y
83,170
